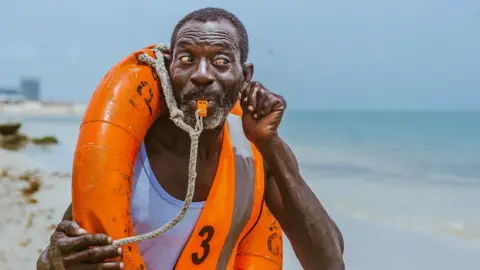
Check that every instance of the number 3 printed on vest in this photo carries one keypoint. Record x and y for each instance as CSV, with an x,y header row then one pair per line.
x,y
206,233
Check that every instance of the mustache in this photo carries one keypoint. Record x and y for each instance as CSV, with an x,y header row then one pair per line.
x,y
207,93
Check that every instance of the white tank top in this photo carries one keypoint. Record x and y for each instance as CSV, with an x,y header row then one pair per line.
x,y
151,208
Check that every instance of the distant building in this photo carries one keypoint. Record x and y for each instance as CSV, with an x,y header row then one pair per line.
x,y
29,90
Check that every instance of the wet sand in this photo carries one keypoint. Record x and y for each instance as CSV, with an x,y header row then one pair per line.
x,y
31,204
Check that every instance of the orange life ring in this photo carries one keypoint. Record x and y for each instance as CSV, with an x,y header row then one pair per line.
x,y
121,110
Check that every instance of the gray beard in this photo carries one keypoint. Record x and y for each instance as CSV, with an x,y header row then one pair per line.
x,y
209,122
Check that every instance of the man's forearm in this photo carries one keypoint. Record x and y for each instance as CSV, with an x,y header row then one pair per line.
x,y
313,234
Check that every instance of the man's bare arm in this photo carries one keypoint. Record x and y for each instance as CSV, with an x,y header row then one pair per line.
x,y
315,238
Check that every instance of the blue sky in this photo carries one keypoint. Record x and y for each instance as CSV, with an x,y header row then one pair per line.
x,y
323,54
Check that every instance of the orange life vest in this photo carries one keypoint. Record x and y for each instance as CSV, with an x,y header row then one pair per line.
x,y
233,232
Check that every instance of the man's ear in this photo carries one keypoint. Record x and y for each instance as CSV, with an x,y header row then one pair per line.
x,y
247,72
168,57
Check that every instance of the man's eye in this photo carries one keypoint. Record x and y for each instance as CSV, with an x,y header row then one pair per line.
x,y
221,61
186,59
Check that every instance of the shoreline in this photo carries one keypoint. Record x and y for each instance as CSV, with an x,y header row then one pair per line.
x,y
38,114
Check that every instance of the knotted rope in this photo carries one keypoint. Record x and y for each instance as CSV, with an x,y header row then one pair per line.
x,y
176,115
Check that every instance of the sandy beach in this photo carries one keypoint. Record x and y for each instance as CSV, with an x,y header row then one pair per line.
x,y
27,221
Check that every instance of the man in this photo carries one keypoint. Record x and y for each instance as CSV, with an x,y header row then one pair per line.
x,y
207,58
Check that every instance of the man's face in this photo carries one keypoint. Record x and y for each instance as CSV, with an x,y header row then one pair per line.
x,y
205,64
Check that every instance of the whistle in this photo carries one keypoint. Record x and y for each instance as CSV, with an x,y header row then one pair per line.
x,y
202,107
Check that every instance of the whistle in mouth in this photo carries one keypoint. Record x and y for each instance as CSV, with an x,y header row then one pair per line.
x,y
202,107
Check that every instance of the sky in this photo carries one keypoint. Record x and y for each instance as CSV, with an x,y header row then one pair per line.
x,y
318,54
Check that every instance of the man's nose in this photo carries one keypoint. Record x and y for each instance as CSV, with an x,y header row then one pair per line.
x,y
202,76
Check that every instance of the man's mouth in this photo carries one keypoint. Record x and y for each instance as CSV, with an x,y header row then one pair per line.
x,y
203,98
193,103
205,95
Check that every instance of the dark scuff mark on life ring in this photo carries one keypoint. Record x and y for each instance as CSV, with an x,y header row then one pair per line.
x,y
140,92
273,228
134,105
140,87
275,251
149,100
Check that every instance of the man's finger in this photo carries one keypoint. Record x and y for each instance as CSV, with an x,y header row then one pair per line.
x,y
73,229
89,240
62,226
70,228
252,97
244,96
93,255
266,106
262,99
102,266
110,265
280,104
